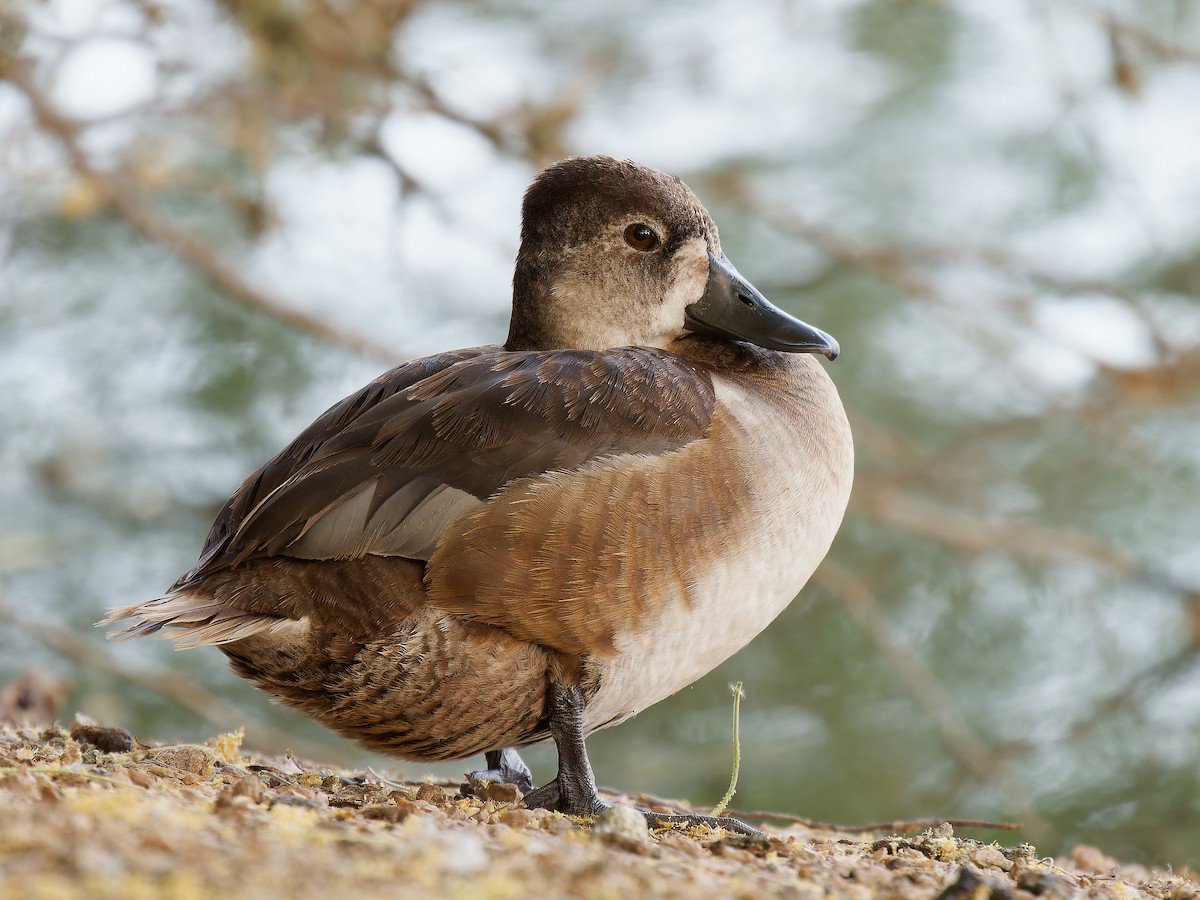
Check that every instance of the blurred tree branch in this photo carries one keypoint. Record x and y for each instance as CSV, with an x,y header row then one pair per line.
x,y
1124,28
970,535
971,752
126,201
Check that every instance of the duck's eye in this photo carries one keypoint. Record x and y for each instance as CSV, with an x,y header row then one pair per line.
x,y
641,237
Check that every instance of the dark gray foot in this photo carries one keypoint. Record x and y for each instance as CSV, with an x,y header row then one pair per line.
x,y
729,823
504,766
547,797
574,790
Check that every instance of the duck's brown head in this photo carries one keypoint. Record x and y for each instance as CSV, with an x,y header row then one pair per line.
x,y
617,254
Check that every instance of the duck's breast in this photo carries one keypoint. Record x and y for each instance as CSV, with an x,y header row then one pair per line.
x,y
755,507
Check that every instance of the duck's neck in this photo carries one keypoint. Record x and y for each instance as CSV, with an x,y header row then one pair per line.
x,y
528,328
583,313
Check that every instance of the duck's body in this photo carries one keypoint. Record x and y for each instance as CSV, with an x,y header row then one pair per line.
x,y
493,546
749,530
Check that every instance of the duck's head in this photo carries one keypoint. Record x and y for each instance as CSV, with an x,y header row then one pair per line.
x,y
617,254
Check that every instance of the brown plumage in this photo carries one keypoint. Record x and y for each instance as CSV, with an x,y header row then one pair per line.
x,y
488,547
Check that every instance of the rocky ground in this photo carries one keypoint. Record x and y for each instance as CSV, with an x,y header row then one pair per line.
x,y
89,812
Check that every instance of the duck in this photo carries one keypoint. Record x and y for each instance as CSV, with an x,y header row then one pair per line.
x,y
497,546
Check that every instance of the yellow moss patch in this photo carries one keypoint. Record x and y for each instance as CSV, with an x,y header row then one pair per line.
x,y
228,746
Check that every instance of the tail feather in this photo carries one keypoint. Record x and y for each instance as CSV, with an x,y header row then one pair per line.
x,y
191,621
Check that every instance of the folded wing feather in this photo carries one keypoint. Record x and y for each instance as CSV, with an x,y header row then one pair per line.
x,y
388,470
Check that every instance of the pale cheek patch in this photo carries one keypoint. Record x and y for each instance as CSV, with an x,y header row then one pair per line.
x,y
689,279
597,305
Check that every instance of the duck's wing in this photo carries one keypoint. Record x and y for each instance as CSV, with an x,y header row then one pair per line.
x,y
387,471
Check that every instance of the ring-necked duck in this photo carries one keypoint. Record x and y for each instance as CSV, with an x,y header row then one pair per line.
x,y
490,547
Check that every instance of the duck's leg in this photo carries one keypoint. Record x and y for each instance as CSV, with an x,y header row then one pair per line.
x,y
574,790
504,766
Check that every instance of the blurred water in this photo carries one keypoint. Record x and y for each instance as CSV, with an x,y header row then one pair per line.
x,y
134,397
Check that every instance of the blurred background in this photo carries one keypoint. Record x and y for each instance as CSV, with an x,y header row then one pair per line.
x,y
218,218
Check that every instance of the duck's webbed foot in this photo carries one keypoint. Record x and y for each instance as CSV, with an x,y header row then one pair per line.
x,y
729,823
506,767
573,792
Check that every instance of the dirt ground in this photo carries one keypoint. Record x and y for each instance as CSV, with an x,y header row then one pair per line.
x,y
91,813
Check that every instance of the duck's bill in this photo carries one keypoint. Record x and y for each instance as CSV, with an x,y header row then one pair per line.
x,y
733,308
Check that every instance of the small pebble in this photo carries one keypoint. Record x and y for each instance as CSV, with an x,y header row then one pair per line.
x,y
431,793
622,826
1046,884
1087,858
106,740
350,796
517,818
249,787
186,759
942,831
141,777
991,858
970,885
391,812
498,792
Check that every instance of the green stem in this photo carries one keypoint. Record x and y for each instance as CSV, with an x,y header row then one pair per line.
x,y
737,751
